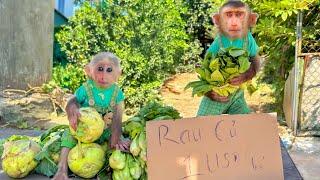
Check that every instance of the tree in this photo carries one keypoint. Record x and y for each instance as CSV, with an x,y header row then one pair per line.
x,y
276,34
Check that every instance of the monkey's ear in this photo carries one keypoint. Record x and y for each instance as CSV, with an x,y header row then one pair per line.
x,y
216,19
253,17
118,74
87,69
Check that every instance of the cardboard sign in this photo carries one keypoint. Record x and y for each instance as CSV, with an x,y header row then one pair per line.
x,y
215,147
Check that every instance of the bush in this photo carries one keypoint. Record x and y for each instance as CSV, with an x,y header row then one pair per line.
x,y
148,36
70,76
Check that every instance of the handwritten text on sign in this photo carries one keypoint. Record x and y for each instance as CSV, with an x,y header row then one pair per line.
x,y
217,147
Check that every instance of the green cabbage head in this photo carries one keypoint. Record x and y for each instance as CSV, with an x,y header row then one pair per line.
x,y
117,160
90,125
86,160
18,157
134,167
134,146
123,174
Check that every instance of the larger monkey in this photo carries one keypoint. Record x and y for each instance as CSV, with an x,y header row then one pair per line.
x,y
233,21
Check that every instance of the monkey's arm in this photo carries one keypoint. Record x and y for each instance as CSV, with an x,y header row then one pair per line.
x,y
249,74
62,172
73,113
116,130
216,97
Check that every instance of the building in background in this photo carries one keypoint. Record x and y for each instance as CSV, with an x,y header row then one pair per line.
x,y
65,7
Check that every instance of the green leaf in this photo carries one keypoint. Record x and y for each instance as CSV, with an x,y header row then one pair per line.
x,y
46,167
195,84
214,64
51,130
42,155
231,70
217,76
244,64
104,175
201,72
284,16
236,52
165,117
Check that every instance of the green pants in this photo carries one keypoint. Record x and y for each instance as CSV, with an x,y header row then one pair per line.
x,y
67,140
236,105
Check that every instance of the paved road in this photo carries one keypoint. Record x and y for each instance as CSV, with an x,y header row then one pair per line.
x,y
6,132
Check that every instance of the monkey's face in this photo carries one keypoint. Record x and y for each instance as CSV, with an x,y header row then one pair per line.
x,y
234,22
104,73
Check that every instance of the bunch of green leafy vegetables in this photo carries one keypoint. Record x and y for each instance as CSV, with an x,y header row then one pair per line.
x,y
216,71
48,157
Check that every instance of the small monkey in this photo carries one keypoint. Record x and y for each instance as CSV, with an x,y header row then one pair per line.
x,y
102,93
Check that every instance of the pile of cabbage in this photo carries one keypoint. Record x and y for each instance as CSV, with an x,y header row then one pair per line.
x,y
87,158
216,71
22,155
133,165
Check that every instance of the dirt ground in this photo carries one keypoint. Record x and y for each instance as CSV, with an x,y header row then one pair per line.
x,y
173,94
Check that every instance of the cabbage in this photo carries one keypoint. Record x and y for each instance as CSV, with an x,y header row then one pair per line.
x,y
123,174
133,128
142,141
117,160
134,167
143,155
86,160
90,125
134,146
18,157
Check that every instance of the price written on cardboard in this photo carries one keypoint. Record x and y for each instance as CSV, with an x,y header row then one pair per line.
x,y
215,147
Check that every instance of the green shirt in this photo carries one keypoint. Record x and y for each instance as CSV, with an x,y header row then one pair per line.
x,y
101,96
251,44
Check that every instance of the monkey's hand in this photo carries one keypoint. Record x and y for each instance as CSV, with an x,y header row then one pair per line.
x,y
249,74
73,113
216,97
242,78
124,145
